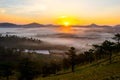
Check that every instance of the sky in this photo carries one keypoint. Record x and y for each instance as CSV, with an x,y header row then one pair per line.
x,y
57,11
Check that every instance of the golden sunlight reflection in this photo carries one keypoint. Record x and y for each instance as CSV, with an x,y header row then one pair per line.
x,y
66,29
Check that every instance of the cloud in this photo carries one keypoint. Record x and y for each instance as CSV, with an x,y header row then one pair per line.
x,y
23,7
31,10
53,8
2,10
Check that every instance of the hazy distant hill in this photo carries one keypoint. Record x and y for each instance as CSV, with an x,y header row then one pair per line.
x,y
11,25
7,25
36,25
100,26
93,26
33,25
117,26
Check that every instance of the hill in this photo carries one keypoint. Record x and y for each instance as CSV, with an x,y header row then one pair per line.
x,y
8,25
101,70
28,43
117,27
93,26
32,25
11,25
36,25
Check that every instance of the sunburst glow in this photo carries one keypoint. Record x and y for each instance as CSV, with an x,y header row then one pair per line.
x,y
66,23
66,20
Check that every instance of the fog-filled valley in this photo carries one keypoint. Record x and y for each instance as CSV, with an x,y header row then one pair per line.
x,y
79,37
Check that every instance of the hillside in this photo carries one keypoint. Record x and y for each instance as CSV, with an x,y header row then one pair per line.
x,y
27,43
4,25
101,70
12,25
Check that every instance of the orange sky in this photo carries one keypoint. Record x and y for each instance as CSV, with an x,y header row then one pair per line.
x,y
82,12
58,20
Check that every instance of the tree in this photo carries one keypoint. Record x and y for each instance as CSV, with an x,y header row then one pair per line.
x,y
66,63
117,38
6,70
108,47
7,62
28,69
81,58
117,45
72,56
98,51
89,55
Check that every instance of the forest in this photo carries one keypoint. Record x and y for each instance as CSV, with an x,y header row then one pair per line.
x,y
17,65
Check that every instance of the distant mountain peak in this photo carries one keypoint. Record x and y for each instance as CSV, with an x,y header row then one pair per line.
x,y
93,25
117,25
7,24
26,25
34,23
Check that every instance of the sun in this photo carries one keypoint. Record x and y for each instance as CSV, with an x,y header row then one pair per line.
x,y
66,23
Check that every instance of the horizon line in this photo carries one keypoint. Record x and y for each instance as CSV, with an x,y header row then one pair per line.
x,y
61,24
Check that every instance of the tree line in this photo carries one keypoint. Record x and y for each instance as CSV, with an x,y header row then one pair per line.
x,y
97,52
23,67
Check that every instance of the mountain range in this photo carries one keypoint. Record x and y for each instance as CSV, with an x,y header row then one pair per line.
x,y
36,25
11,25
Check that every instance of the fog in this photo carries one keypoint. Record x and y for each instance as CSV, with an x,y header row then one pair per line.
x,y
69,36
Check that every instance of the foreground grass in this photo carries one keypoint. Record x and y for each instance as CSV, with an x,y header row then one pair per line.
x,y
97,71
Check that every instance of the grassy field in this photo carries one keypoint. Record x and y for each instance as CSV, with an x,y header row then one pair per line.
x,y
101,70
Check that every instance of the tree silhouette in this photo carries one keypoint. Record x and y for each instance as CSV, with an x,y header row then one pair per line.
x,y
72,56
6,70
98,51
89,55
65,63
28,69
117,45
117,38
108,47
